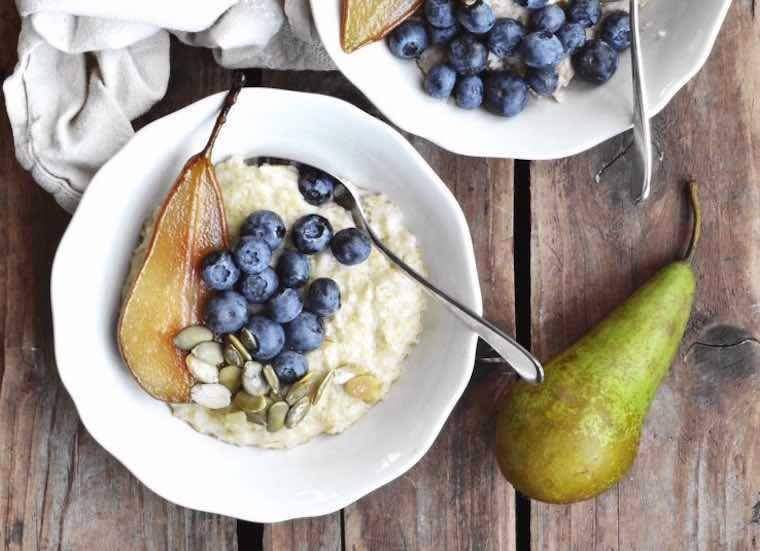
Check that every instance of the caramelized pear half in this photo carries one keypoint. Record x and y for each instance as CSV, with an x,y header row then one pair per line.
x,y
365,21
168,294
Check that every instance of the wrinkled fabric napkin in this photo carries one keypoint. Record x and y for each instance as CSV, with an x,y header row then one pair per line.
x,y
88,67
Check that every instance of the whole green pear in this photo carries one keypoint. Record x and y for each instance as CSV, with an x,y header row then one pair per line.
x,y
578,433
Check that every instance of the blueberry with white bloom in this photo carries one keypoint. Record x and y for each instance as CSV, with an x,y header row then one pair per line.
x,y
478,18
259,288
442,35
409,39
252,255
266,225
532,4
572,36
351,246
290,366
541,49
219,271
226,312
316,187
269,335
467,55
468,92
505,36
305,333
506,93
439,82
285,305
293,268
323,297
544,82
440,13
549,18
596,62
311,233
616,30
585,12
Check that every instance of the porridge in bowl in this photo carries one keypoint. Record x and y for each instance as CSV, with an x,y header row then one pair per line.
x,y
308,326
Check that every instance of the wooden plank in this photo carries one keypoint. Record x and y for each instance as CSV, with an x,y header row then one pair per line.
x,y
58,487
695,482
454,498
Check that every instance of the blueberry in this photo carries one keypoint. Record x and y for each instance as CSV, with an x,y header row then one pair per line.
x,y
323,297
442,35
316,187
285,305
351,246
572,36
293,268
478,18
265,225
305,333
259,288
252,255
312,233
467,56
505,36
269,335
596,62
469,92
532,4
506,93
585,12
439,82
440,13
226,312
543,81
616,30
408,40
549,18
219,271
541,49
290,366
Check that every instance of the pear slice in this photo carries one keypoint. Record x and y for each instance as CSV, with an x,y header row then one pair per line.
x,y
365,21
168,293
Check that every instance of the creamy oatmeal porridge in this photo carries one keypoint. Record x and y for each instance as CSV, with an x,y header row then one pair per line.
x,y
379,320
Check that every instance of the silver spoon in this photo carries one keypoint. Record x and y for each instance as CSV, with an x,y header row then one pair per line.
x,y
642,134
519,359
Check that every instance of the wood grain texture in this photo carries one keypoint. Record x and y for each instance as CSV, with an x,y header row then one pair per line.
x,y
696,482
58,487
454,498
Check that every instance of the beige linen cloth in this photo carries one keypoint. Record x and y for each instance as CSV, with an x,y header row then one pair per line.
x,y
88,67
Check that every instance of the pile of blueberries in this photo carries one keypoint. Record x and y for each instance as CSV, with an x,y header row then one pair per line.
x,y
469,32
285,322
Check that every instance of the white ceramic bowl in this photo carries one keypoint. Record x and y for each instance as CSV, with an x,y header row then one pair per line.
x,y
198,471
677,36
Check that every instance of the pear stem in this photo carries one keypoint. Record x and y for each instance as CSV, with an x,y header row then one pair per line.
x,y
229,101
696,229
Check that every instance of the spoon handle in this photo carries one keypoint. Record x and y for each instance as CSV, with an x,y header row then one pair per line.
x,y
518,358
642,135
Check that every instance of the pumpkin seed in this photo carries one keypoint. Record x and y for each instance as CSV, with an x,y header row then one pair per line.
x,y
253,381
210,352
297,412
324,384
300,388
366,388
247,402
232,356
211,396
235,421
271,378
248,340
259,417
202,371
231,376
192,336
276,416
235,342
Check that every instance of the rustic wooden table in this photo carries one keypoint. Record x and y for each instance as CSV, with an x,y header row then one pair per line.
x,y
556,250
